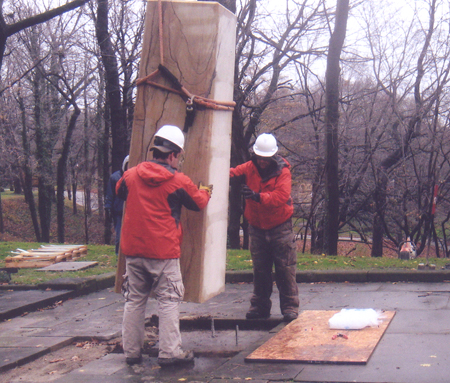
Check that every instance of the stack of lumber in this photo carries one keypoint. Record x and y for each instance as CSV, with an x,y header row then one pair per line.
x,y
46,255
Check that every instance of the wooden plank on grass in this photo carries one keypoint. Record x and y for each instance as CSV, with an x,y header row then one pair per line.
x,y
44,256
69,266
29,264
309,339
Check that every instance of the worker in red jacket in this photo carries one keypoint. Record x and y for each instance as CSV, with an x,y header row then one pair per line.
x,y
269,210
150,240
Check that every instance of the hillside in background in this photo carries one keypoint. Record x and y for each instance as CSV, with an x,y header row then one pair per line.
x,y
18,226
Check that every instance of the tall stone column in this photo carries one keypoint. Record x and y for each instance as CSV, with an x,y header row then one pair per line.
x,y
198,45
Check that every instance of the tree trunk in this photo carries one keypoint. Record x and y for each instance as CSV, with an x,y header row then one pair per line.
x,y
86,222
105,172
239,154
87,167
378,219
331,126
2,228
100,190
27,175
74,197
46,196
112,87
29,197
62,171
45,166
317,238
87,199
17,185
245,235
235,201
102,119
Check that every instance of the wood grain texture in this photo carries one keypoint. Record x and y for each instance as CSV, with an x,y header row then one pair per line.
x,y
198,41
309,339
44,256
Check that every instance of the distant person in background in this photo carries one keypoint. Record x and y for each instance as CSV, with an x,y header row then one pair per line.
x,y
113,204
408,250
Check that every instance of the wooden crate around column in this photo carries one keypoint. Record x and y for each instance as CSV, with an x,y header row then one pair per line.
x,y
198,46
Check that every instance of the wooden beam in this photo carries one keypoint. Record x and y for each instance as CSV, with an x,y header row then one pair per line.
x,y
198,47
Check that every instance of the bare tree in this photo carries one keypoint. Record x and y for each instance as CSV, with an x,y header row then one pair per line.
x,y
7,30
331,125
262,56
116,112
62,161
44,103
27,169
121,37
412,125
374,114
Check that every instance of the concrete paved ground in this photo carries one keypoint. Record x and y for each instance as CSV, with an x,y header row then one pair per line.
x,y
414,348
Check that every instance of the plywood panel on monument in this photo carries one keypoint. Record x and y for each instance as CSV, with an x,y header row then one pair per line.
x,y
198,49
309,339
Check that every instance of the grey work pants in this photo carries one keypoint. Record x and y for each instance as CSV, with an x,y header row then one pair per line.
x,y
274,247
161,279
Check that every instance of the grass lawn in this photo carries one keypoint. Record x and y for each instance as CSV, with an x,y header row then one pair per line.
x,y
19,233
102,254
241,260
236,260
8,195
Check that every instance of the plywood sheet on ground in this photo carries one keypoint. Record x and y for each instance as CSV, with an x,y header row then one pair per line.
x,y
309,339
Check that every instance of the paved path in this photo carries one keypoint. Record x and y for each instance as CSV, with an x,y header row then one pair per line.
x,y
415,347
80,199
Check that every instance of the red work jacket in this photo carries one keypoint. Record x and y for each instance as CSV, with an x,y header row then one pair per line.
x,y
275,205
154,194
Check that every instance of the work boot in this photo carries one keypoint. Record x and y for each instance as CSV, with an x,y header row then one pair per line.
x,y
252,314
184,358
289,317
132,361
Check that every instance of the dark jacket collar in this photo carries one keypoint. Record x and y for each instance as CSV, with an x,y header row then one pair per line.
x,y
277,164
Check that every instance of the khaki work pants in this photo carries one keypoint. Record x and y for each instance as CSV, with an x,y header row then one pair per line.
x,y
274,247
160,279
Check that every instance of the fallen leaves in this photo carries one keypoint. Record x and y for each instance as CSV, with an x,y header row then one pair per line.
x,y
87,344
56,360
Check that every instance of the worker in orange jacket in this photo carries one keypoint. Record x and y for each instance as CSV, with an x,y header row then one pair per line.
x,y
269,209
150,240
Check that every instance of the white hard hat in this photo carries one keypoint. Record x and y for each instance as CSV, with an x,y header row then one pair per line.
x,y
265,145
125,163
173,139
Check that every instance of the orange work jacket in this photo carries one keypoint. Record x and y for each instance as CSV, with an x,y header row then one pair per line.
x,y
154,194
275,206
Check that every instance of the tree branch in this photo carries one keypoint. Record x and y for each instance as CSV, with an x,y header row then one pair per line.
x,y
43,17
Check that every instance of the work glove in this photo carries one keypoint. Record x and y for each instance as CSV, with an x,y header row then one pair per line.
x,y
208,188
250,194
